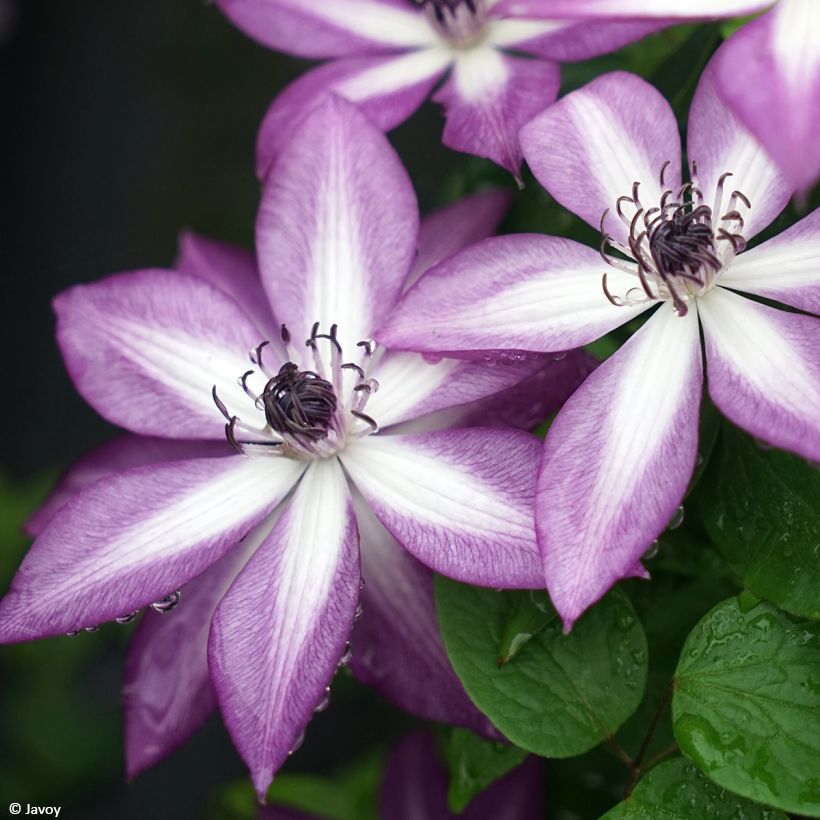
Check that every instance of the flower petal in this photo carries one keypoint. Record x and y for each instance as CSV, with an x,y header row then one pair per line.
x,y
338,225
167,693
146,348
617,461
786,268
568,40
522,292
592,146
719,143
458,500
397,646
387,89
411,385
233,270
672,10
306,28
458,225
489,97
114,457
135,537
279,632
769,75
763,368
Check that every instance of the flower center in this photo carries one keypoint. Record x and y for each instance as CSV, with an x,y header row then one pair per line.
x,y
460,22
304,411
673,248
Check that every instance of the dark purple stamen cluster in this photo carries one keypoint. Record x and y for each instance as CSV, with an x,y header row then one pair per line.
x,y
299,402
440,6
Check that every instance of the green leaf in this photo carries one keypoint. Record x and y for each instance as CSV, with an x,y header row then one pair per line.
x,y
474,763
760,508
529,614
561,694
746,706
676,790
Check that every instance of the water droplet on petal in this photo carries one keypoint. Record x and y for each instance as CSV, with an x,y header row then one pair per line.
x,y
699,460
73,633
167,603
652,551
90,628
126,619
357,615
347,656
361,584
324,702
677,519
559,356
297,744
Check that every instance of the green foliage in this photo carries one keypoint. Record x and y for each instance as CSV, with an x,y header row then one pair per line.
x,y
558,695
761,508
746,706
676,790
474,764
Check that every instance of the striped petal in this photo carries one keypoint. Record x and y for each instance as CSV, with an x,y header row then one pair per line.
x,y
671,10
617,461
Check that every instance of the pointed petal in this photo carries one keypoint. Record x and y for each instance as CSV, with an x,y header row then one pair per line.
x,y
115,457
489,97
167,693
763,368
338,225
769,74
617,461
146,348
592,146
306,28
719,143
387,89
233,270
135,537
522,292
279,632
397,646
411,385
453,227
458,500
569,40
672,10
786,268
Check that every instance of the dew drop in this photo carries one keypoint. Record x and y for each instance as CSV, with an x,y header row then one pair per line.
x,y
90,628
677,519
357,615
361,584
73,633
297,744
652,551
324,702
559,356
347,656
167,603
126,619
699,460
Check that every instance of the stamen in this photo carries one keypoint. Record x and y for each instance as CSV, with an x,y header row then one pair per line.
x,y
299,402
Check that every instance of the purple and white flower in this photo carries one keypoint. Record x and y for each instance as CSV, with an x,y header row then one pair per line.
x,y
388,55
768,72
619,456
318,421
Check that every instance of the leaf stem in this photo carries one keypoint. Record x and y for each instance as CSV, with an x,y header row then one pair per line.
x,y
637,768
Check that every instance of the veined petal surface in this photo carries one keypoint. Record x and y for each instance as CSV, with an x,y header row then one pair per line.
x,y
397,646
137,536
338,225
769,74
763,369
672,10
458,500
167,693
388,89
719,143
617,461
146,348
522,292
785,268
592,146
279,632
340,28
487,99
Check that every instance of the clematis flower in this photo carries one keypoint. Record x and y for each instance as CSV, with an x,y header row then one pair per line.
x,y
269,536
769,74
414,787
617,459
388,55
